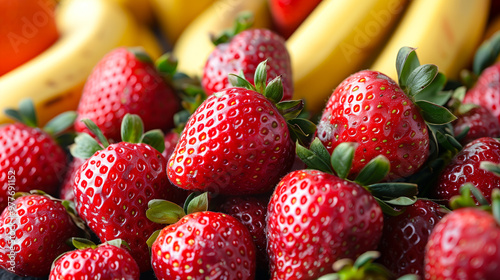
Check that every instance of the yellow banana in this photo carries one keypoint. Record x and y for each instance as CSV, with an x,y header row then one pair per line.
x,y
142,10
194,46
174,15
54,79
445,33
336,40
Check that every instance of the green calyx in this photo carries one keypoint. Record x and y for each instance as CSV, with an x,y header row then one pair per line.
x,y
466,200
339,163
362,268
132,131
56,127
301,129
166,212
242,22
486,54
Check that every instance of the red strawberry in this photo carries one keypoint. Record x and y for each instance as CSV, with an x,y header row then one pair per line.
x,y
33,232
486,92
479,122
251,211
315,219
31,158
464,245
126,81
105,261
243,53
370,109
66,191
411,229
113,187
465,167
204,245
386,118
237,141
289,14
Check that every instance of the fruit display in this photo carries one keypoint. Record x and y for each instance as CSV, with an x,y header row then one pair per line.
x,y
250,139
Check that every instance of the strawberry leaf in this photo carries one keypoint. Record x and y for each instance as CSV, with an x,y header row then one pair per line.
x,y
260,78
495,204
60,123
490,166
25,114
198,204
242,22
96,131
238,81
435,114
118,243
153,238
311,159
140,54
319,149
402,201
274,90
132,128
164,212
406,62
342,157
366,258
420,78
487,54
290,109
433,92
387,209
85,146
167,64
155,139
301,130
374,171
82,243
393,189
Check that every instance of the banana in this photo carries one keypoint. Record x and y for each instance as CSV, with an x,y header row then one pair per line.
x,y
337,39
174,15
54,79
445,33
194,46
142,10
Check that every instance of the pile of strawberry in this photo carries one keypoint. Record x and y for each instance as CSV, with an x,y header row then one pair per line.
x,y
227,177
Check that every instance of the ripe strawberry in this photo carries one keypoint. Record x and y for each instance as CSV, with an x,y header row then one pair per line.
x,y
204,245
315,219
237,141
126,81
242,52
287,15
106,261
33,232
31,158
251,211
478,122
113,186
465,167
464,244
411,229
66,191
370,109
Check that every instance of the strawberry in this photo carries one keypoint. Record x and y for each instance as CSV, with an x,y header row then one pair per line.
x,y
242,52
372,110
171,139
315,218
66,191
237,141
287,15
126,81
464,244
411,229
31,157
107,261
251,211
114,185
33,232
466,167
201,244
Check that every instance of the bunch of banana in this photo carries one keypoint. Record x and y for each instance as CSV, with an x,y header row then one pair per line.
x,y
174,15
336,40
54,79
445,33
194,45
